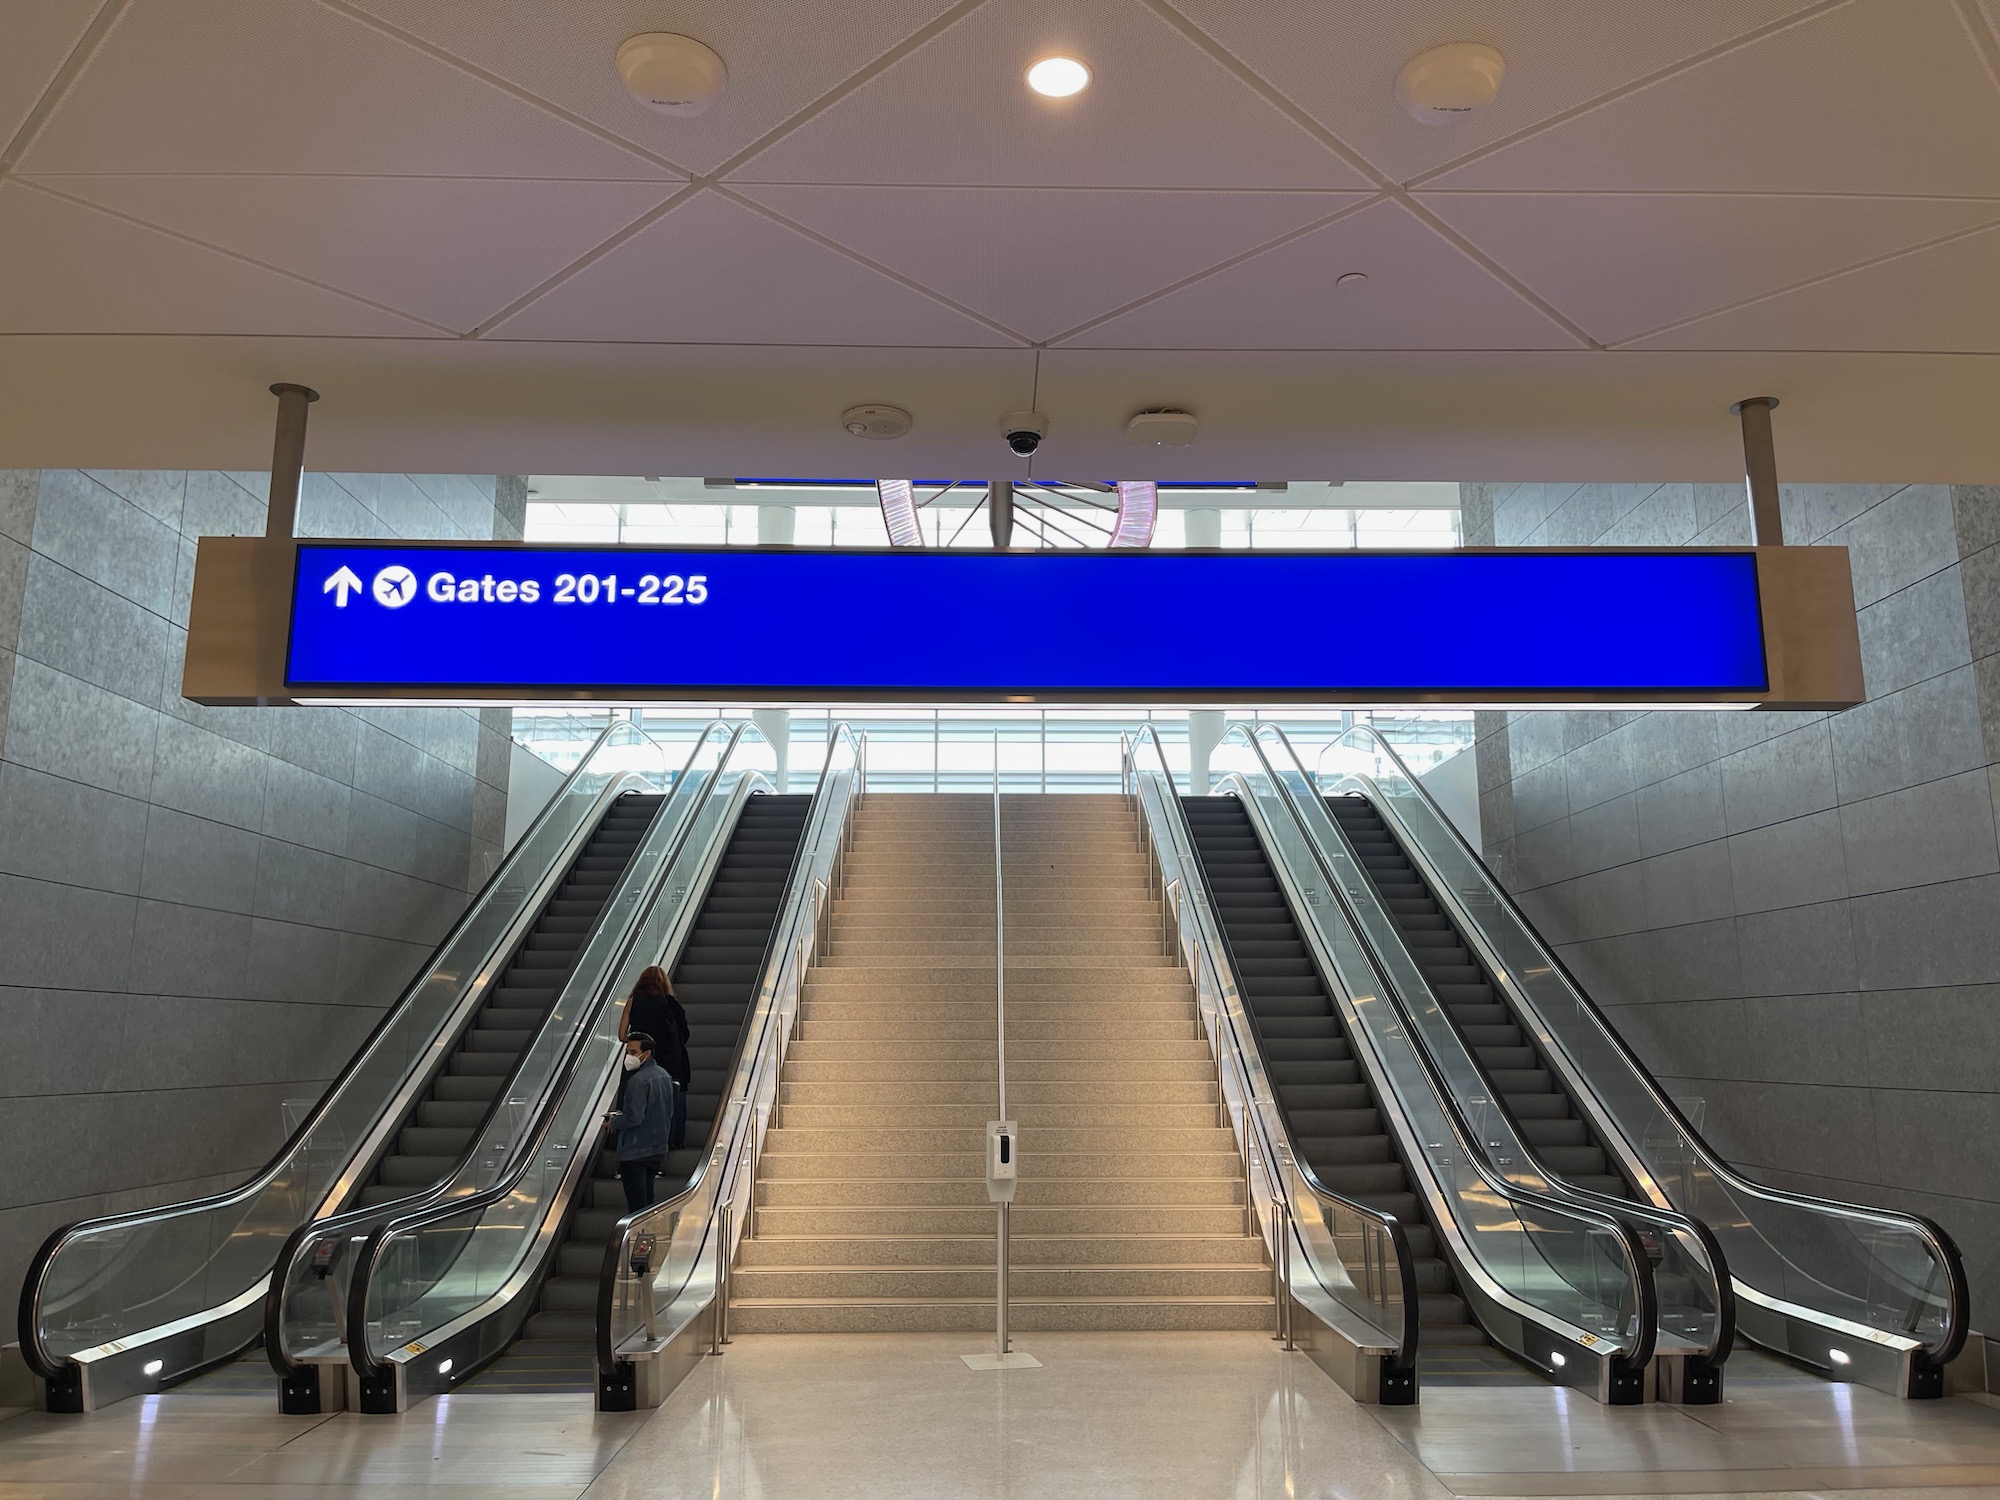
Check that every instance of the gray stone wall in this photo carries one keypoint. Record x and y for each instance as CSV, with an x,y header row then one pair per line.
x,y
202,911
1795,918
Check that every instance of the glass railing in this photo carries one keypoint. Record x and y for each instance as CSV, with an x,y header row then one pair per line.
x,y
1566,1286
1864,1275
1697,1307
117,1305
435,1292
1335,1254
668,1265
304,1316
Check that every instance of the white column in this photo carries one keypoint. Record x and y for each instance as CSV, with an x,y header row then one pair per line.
x,y
776,526
1204,526
1204,734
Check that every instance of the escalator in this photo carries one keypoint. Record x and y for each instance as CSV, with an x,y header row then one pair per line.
x,y
715,980
1334,1118
1546,1115
133,1302
1871,1295
466,1091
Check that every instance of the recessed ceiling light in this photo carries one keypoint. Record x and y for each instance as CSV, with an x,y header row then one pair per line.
x,y
1058,77
1351,279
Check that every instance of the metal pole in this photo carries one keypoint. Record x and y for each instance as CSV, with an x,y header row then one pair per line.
x,y
1760,470
1002,1226
722,1280
1000,511
288,458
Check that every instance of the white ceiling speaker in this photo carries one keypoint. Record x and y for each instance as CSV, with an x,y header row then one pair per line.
x,y
878,422
1448,83
675,75
1162,428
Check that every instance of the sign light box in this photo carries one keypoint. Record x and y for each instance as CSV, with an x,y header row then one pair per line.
x,y
497,621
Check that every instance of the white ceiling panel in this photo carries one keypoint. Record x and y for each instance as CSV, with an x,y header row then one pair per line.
x,y
1422,292
1044,260
1881,96
451,250
1558,56
65,268
1621,265
1941,300
291,87
36,39
781,55
713,271
1159,113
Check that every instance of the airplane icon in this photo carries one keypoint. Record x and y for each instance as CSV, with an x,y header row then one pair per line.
x,y
395,586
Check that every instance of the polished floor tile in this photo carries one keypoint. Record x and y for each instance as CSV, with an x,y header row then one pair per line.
x,y
1205,1416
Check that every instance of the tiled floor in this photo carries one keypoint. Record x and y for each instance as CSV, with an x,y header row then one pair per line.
x,y
884,1417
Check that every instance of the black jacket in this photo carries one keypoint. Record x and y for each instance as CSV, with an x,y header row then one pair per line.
x,y
662,1019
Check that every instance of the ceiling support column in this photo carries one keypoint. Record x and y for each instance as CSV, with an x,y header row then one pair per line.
x,y
1000,512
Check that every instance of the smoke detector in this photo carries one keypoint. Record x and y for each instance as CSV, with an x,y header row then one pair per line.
x,y
1448,83
675,75
1162,427
876,421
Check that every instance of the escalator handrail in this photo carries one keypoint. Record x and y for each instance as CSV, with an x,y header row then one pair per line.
x,y
1943,1247
748,1061
348,1219
47,1366
1638,1265
1211,942
360,1356
1559,1187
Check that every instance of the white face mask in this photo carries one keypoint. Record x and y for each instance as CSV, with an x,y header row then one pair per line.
x,y
632,1061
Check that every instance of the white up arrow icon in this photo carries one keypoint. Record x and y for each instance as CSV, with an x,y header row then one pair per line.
x,y
340,586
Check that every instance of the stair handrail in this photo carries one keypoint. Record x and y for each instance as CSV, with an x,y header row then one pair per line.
x,y
189,1338
701,840
1571,1025
650,1289
1376,1285
322,1245
1680,1243
1536,1216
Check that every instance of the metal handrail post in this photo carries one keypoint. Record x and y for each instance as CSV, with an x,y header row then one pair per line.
x,y
1002,1225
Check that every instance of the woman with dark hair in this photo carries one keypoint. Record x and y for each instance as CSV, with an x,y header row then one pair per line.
x,y
653,1010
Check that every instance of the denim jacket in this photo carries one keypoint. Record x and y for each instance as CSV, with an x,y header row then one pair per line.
x,y
648,1117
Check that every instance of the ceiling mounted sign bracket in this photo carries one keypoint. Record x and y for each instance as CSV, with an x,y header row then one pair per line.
x,y
1760,470
288,458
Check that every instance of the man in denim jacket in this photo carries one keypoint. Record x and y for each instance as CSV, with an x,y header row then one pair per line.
x,y
644,1124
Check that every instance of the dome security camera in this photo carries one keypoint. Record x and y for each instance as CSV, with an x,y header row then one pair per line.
x,y
1024,431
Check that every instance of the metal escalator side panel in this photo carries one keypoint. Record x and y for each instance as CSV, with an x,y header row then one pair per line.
x,y
206,1261
1904,1308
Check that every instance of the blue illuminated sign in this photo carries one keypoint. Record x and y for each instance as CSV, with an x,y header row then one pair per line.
x,y
727,623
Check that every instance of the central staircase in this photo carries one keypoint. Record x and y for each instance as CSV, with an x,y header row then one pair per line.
x,y
871,1211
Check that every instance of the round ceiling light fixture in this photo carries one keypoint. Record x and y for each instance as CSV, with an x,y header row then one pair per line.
x,y
1448,83
1058,77
673,74
1352,280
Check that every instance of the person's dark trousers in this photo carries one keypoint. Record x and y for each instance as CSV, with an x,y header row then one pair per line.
x,y
679,1136
638,1177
